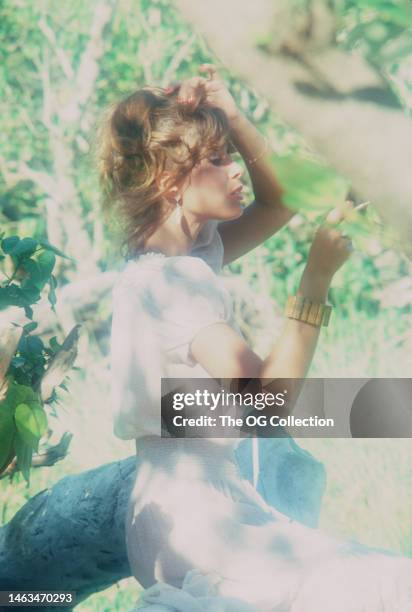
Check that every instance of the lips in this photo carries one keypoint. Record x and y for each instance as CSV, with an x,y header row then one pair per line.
x,y
237,191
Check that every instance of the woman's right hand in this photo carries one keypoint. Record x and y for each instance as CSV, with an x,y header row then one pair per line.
x,y
330,248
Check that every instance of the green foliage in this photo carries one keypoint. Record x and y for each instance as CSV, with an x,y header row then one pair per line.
x,y
31,423
7,432
23,420
35,260
382,31
143,45
32,358
397,12
308,185
22,424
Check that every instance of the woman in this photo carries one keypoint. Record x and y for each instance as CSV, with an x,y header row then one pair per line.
x,y
193,524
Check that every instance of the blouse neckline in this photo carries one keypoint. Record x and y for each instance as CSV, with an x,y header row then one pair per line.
x,y
149,254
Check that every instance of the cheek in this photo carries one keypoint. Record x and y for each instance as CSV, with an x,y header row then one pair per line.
x,y
210,180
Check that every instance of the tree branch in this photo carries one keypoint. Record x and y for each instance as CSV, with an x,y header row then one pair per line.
x,y
368,142
9,339
49,457
60,365
60,53
71,536
177,59
14,172
88,68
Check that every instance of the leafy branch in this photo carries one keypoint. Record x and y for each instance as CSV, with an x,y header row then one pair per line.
x,y
29,370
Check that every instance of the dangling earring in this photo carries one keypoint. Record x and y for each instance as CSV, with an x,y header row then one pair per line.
x,y
178,211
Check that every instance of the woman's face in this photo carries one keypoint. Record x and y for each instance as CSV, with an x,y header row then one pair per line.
x,y
210,191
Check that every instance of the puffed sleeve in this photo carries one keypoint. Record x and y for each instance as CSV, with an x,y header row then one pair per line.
x,y
194,297
158,309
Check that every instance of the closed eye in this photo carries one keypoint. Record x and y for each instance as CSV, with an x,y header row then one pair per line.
x,y
217,161
224,158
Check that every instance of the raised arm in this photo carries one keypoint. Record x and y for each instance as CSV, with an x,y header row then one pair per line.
x,y
224,354
266,214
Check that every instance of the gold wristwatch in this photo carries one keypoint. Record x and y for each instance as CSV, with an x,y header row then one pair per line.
x,y
308,311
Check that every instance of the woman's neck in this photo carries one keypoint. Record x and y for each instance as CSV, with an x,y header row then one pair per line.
x,y
175,237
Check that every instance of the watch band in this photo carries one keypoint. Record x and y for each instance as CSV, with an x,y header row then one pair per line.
x,y
308,311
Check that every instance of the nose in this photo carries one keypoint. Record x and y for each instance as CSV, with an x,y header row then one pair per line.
x,y
235,170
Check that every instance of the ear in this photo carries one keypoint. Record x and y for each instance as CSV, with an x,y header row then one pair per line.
x,y
174,191
161,183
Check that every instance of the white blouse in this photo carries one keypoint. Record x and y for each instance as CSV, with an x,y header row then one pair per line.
x,y
159,305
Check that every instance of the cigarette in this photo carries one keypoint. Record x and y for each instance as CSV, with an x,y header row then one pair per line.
x,y
362,206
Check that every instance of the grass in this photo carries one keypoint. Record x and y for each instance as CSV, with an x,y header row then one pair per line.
x,y
368,494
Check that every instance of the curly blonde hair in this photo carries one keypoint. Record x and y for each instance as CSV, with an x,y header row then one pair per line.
x,y
141,136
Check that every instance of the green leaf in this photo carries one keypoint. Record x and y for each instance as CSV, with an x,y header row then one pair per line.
x,y
46,262
35,345
32,267
30,293
39,271
52,294
399,13
29,327
46,245
9,244
31,422
18,394
18,362
4,298
24,454
7,432
26,246
12,295
309,186
28,311
54,344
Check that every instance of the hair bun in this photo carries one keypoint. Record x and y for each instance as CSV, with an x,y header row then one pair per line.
x,y
131,123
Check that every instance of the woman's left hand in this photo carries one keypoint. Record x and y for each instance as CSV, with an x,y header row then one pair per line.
x,y
212,89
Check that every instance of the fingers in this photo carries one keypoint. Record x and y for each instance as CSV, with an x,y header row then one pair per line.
x,y
329,233
211,70
338,214
184,87
333,233
174,85
348,212
334,216
191,89
331,245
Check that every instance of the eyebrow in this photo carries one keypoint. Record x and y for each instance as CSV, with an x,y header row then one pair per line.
x,y
226,149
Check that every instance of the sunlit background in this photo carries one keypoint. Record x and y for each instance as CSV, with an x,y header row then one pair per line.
x,y
61,64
